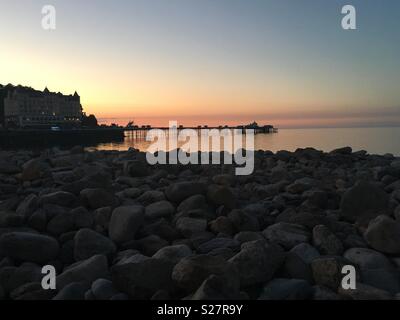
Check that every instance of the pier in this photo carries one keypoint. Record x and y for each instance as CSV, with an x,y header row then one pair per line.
x,y
140,131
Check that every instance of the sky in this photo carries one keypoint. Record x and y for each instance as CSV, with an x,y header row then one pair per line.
x,y
283,62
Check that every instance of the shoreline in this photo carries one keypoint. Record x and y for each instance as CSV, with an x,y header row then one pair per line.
x,y
116,228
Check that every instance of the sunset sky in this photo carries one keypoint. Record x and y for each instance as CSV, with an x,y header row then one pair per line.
x,y
285,62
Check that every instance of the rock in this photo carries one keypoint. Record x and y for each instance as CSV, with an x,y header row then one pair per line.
x,y
85,271
150,244
10,219
197,201
326,242
98,198
217,288
88,243
367,258
324,293
29,247
12,278
102,217
287,234
306,252
383,234
161,209
83,218
140,277
2,293
190,226
300,185
257,262
125,222
38,220
182,190
222,225
224,179
174,254
243,221
31,291
365,292
161,295
28,206
221,196
61,198
94,177
296,268
61,223
218,243
132,193
150,197
248,236
364,202
8,167
343,151
136,168
119,297
103,289
34,169
385,279
327,271
286,289
191,272
73,291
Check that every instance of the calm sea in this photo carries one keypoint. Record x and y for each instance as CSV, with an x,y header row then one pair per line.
x,y
373,140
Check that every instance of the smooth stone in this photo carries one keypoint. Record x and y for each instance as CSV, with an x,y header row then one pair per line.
x,y
125,222
29,247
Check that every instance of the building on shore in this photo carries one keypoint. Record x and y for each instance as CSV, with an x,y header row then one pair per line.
x,y
26,107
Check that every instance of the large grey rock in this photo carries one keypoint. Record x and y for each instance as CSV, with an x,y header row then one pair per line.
x,y
383,234
182,190
197,201
384,279
140,277
326,242
173,253
191,271
286,289
306,252
190,226
98,198
61,198
34,169
221,195
257,262
287,234
160,209
88,243
61,223
73,291
28,206
125,222
218,243
364,202
327,271
365,292
103,289
217,288
85,271
29,247
366,258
